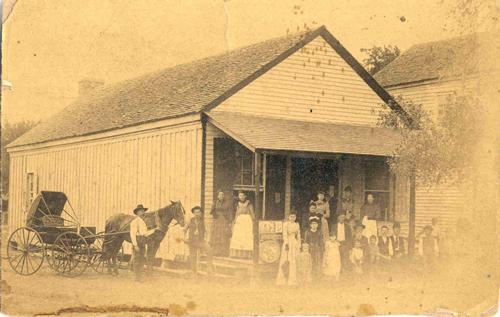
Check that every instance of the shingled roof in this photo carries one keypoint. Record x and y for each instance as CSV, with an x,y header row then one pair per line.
x,y
180,90
434,60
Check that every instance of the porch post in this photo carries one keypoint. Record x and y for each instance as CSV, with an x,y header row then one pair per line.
x,y
288,186
257,208
411,218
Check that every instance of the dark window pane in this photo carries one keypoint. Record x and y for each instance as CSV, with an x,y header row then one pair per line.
x,y
247,178
377,176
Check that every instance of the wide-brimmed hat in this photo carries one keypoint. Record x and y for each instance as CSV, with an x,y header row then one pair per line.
x,y
139,208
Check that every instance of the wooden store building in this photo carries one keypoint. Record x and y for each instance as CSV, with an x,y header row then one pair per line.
x,y
280,119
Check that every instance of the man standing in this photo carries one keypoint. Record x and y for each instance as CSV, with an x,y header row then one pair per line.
x,y
385,247
196,240
332,202
344,237
138,235
398,243
347,203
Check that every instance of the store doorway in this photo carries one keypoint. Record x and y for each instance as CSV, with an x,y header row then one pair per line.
x,y
310,175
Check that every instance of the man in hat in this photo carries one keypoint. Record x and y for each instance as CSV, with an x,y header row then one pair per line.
x,y
398,243
138,234
346,205
196,240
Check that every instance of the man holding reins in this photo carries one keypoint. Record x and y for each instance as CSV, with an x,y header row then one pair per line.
x,y
138,235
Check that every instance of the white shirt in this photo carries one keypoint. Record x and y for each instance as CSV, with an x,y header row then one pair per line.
x,y
138,228
341,232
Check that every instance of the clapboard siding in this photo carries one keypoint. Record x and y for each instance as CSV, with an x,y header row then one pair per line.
x,y
113,175
432,93
445,202
442,201
313,84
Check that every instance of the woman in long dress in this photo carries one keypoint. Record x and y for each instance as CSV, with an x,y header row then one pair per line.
x,y
287,269
221,230
241,245
370,213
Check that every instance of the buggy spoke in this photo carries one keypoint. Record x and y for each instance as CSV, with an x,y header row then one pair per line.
x,y
29,263
22,256
22,265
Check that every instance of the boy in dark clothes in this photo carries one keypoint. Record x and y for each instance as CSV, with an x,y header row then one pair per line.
x,y
196,240
314,238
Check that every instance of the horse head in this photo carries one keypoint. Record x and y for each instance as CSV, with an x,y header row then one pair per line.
x,y
178,212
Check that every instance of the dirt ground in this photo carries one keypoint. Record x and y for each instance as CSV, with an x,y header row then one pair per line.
x,y
454,285
46,293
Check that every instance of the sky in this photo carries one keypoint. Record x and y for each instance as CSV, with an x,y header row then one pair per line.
x,y
49,45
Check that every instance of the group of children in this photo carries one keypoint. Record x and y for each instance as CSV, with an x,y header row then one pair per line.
x,y
315,257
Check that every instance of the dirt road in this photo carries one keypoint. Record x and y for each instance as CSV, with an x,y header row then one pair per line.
x,y
48,293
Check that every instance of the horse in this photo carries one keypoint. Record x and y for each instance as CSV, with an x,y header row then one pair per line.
x,y
117,230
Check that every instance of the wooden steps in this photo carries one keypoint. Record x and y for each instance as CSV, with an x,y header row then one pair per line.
x,y
226,268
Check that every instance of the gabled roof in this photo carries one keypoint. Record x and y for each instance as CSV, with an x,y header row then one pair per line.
x,y
180,90
435,60
263,133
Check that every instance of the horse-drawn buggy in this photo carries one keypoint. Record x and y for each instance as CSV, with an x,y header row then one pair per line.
x,y
53,233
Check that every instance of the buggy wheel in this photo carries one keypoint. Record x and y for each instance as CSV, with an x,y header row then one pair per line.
x,y
96,254
25,251
70,254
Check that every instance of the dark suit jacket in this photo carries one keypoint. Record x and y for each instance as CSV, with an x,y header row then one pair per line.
x,y
398,245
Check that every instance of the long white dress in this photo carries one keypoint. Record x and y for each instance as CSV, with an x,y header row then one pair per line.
x,y
331,259
241,245
289,252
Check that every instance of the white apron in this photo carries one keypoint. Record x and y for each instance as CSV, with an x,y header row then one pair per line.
x,y
242,238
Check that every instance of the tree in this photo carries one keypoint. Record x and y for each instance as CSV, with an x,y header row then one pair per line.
x,y
10,132
439,150
378,57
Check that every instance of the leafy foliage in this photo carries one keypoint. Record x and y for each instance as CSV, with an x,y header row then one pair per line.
x,y
10,132
378,57
438,147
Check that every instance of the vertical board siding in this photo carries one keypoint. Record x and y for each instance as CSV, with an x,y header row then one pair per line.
x,y
313,84
105,177
211,133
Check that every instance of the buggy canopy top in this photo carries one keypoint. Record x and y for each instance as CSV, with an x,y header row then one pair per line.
x,y
47,204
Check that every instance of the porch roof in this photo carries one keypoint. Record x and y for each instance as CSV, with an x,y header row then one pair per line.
x,y
265,133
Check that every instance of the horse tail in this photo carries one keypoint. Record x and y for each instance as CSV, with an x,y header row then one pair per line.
x,y
109,239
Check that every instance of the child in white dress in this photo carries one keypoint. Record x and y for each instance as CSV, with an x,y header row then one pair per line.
x,y
331,259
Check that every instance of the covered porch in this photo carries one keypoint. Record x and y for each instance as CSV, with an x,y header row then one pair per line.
x,y
281,164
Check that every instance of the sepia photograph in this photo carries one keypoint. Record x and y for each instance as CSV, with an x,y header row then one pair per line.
x,y
250,158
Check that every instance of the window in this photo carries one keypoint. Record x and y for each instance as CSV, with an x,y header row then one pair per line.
x,y
32,189
378,183
244,162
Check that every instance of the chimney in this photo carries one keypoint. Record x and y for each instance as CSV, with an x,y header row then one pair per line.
x,y
87,86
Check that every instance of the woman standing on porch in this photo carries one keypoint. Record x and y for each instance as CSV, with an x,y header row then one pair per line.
x,y
221,227
242,239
